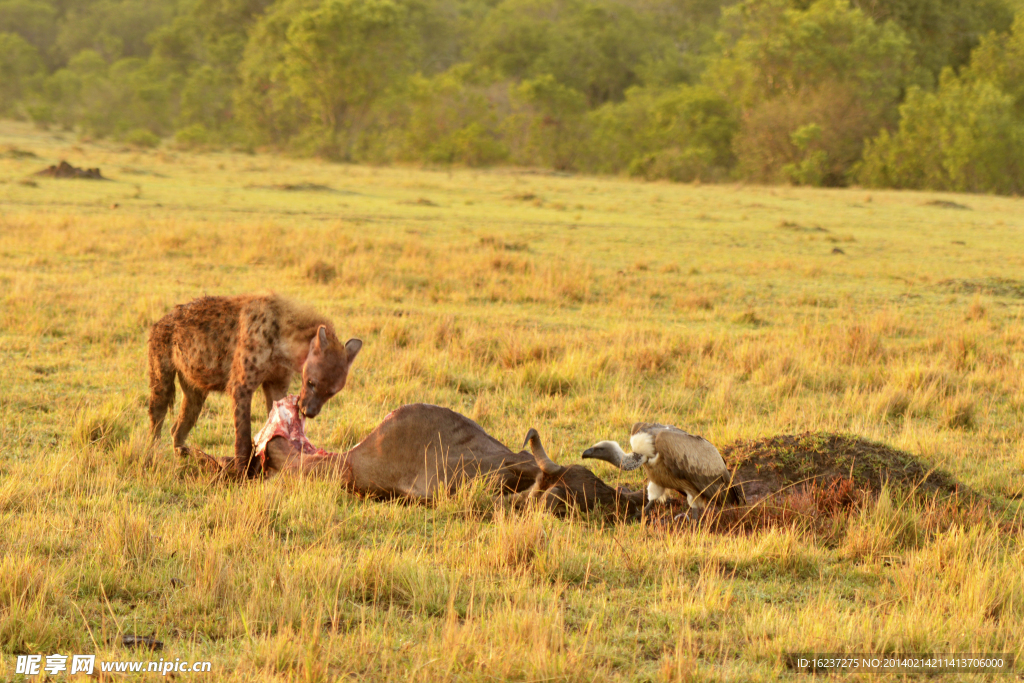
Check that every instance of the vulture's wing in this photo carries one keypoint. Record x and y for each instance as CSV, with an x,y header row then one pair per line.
x,y
691,458
648,426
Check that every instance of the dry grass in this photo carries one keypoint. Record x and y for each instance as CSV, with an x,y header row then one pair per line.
x,y
696,310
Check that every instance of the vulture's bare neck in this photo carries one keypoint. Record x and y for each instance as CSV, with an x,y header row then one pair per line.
x,y
613,453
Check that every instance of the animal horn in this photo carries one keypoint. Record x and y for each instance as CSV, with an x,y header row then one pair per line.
x,y
546,464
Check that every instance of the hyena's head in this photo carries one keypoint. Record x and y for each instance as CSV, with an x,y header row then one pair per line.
x,y
325,370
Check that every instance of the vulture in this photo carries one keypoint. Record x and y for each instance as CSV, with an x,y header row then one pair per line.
x,y
674,461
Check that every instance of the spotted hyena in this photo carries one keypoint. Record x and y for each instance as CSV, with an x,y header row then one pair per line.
x,y
235,344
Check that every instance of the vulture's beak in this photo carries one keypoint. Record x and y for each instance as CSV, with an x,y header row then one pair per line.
x,y
601,453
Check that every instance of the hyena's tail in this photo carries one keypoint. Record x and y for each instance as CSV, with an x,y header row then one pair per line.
x,y
161,376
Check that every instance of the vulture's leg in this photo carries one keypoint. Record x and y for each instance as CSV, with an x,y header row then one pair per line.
x,y
654,494
694,515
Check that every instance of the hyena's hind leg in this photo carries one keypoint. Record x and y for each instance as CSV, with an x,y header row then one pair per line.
x,y
191,406
161,379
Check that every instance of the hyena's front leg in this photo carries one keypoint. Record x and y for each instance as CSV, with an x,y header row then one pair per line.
x,y
248,371
241,398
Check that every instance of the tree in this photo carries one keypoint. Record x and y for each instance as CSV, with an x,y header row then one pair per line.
x,y
999,59
112,28
20,68
312,73
963,137
688,29
828,66
941,32
205,99
32,20
593,47
203,46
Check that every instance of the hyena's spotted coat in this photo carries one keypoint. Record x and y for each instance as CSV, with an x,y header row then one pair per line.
x,y
236,344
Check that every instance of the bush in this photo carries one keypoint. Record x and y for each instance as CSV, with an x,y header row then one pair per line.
x,y
454,118
192,137
547,126
962,138
679,164
682,133
812,167
810,138
141,137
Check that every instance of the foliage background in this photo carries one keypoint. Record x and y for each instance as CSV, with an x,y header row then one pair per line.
x,y
909,94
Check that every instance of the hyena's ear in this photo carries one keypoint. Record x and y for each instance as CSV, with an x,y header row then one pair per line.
x,y
319,341
352,347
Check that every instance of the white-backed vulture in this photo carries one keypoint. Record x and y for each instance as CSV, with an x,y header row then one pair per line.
x,y
674,460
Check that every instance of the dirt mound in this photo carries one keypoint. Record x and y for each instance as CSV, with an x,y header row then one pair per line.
x,y
66,170
994,286
944,204
293,187
768,466
12,152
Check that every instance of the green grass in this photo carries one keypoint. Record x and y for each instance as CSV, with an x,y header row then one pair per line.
x,y
575,305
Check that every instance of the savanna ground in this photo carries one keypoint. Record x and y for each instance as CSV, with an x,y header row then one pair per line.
x,y
575,305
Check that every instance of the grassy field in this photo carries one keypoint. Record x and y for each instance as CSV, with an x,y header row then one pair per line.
x,y
575,305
